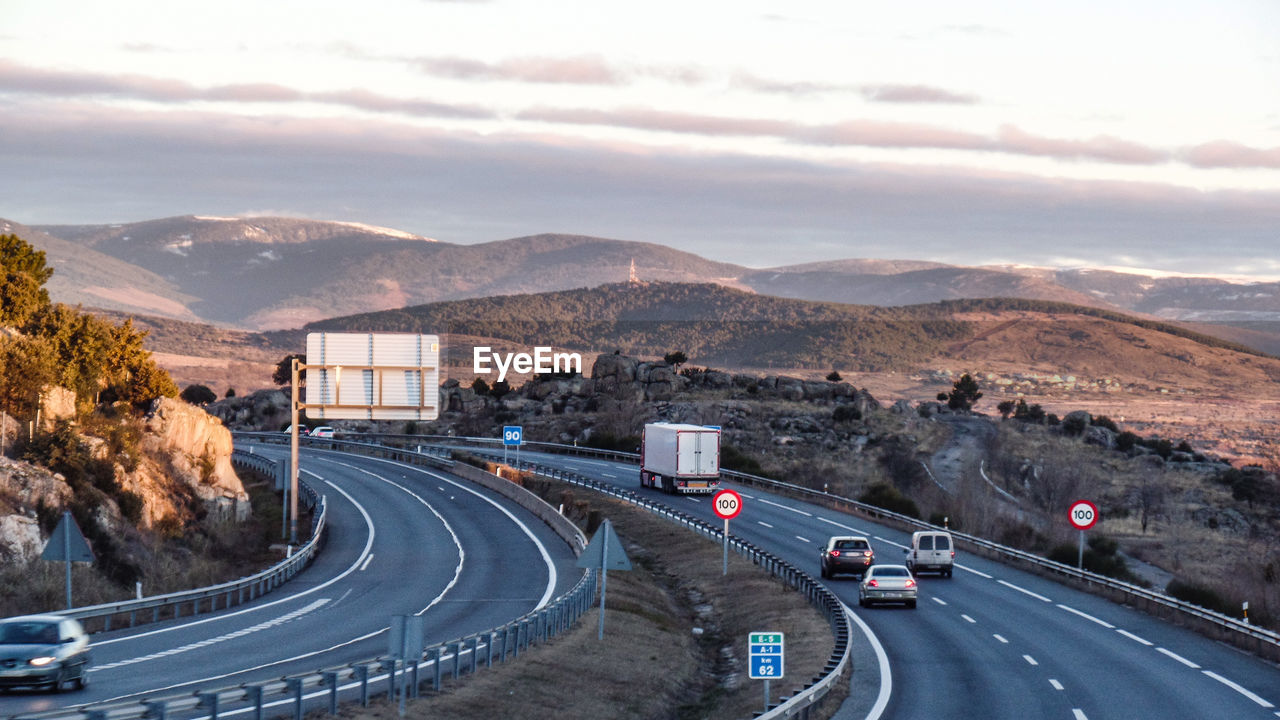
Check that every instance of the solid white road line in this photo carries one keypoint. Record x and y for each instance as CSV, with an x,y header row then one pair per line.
x,y
842,527
765,524
368,521
1179,658
940,601
1131,636
882,659
1238,688
1079,714
975,572
1024,591
1056,685
1001,639
367,560
1030,660
316,605
969,619
784,507
890,542
1087,616
542,549
749,497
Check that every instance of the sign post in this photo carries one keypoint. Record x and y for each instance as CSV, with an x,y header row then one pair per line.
x,y
1083,515
67,544
726,504
604,553
512,435
765,651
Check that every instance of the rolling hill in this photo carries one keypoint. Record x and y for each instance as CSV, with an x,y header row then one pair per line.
x,y
273,273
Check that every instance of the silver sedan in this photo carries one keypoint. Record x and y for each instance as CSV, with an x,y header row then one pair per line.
x,y
43,651
888,583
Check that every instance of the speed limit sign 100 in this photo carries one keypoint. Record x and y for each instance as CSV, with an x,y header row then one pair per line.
x,y
1083,514
727,504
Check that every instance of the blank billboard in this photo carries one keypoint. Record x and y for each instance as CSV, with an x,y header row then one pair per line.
x,y
372,376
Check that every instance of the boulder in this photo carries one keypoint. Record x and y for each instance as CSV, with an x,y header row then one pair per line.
x,y
1098,435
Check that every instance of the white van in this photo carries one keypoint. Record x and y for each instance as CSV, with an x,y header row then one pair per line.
x,y
931,551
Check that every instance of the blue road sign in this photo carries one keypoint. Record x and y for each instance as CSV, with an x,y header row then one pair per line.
x,y
513,435
765,653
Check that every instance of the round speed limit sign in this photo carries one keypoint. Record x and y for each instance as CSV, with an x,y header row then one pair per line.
x,y
727,504
1083,514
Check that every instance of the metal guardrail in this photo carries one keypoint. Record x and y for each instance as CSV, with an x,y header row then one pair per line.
x,y
128,613
806,697
441,660
815,691
1263,642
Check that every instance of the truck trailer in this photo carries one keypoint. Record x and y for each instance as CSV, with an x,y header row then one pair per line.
x,y
680,459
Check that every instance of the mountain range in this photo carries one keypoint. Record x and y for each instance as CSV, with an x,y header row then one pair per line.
x,y
272,273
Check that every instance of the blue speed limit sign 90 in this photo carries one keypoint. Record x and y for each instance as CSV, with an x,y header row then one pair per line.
x,y
513,435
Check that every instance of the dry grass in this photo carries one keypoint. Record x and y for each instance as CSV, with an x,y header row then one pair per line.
x,y
650,663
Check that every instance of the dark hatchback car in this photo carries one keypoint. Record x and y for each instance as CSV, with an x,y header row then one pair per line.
x,y
43,651
847,554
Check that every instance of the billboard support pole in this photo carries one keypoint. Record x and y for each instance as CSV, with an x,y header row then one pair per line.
x,y
293,457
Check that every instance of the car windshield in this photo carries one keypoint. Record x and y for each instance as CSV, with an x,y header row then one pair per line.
x,y
890,572
25,633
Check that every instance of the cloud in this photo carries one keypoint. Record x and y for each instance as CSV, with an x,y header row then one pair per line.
x,y
915,94
659,120
1228,154
580,70
16,78
94,164
756,83
1102,147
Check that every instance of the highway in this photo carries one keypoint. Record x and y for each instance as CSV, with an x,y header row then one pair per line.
x,y
402,540
993,641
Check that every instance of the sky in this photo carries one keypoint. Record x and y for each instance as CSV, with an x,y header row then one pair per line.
x,y
1136,134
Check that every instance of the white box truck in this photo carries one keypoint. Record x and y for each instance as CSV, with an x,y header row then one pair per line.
x,y
682,459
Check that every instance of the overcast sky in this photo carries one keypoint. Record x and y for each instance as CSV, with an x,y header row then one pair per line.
x,y
1138,133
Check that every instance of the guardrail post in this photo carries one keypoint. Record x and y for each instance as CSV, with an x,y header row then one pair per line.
x,y
331,679
210,700
157,709
255,696
414,693
391,682
475,648
362,674
457,659
489,642
295,687
435,668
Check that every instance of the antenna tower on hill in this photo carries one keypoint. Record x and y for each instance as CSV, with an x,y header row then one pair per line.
x,y
633,279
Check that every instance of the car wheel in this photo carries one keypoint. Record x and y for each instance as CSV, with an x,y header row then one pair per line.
x,y
948,572
56,685
911,604
82,680
862,602
824,573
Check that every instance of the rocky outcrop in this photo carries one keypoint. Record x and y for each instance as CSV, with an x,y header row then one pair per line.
x,y
24,488
264,410
197,448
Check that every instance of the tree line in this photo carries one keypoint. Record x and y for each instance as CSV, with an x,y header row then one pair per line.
x,y
51,344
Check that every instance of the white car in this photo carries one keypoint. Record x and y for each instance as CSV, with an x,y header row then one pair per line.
x,y
888,583
324,431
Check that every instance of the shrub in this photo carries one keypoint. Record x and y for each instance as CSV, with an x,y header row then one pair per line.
x,y
845,413
1073,426
834,376
1126,441
886,496
1106,422
1202,596
731,458
1101,556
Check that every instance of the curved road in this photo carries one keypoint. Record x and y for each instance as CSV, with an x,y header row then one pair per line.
x,y
402,540
993,641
